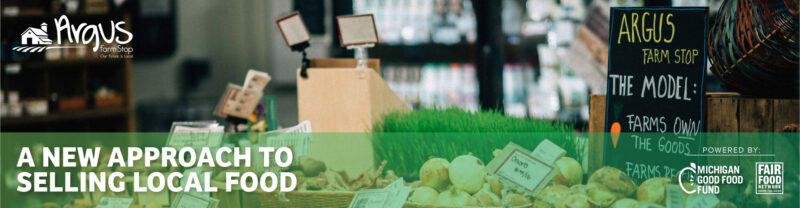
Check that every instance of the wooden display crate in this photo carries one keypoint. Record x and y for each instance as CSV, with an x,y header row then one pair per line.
x,y
336,97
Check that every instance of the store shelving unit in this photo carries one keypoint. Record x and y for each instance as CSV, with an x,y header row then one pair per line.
x,y
491,54
70,74
424,53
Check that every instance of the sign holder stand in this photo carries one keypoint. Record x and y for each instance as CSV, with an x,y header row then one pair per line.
x,y
361,57
301,47
296,35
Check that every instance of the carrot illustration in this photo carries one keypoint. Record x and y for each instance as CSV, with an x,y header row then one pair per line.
x,y
616,128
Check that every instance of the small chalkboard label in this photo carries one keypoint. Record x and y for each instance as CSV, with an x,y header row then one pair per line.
x,y
654,109
357,30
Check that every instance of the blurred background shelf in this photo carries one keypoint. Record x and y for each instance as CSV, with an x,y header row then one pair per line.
x,y
81,115
515,56
423,53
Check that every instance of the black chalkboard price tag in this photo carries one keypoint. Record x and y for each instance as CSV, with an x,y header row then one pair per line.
x,y
654,109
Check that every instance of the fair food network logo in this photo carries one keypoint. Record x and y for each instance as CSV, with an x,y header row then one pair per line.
x,y
37,39
706,179
769,177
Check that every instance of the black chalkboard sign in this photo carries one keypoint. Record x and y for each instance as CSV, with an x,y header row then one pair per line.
x,y
654,109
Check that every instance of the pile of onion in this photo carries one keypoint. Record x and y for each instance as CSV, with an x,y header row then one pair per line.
x,y
434,173
452,197
424,195
654,190
625,203
467,173
614,179
569,172
553,194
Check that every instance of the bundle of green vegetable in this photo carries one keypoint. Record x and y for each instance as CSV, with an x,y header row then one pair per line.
x,y
408,139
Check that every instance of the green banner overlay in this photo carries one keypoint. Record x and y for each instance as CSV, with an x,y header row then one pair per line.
x,y
399,169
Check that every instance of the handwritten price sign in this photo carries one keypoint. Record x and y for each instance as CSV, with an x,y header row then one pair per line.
x,y
520,170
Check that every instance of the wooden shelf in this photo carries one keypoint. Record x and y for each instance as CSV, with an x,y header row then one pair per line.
x,y
103,112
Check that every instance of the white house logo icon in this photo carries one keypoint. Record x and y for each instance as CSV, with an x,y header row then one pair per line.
x,y
36,40
36,36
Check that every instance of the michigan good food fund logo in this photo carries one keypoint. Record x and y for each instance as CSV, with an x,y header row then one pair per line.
x,y
37,40
706,179
769,177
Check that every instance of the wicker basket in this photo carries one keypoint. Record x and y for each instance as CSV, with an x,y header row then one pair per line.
x,y
307,199
234,199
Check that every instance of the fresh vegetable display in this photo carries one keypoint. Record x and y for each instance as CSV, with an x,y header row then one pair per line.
x,y
454,184
469,185
457,183
448,133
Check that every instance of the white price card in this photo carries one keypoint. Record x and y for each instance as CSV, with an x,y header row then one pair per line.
x,y
238,102
225,102
520,170
303,127
200,174
399,193
676,198
114,202
196,135
184,136
188,200
256,80
298,138
357,30
293,29
243,104
548,152
371,198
